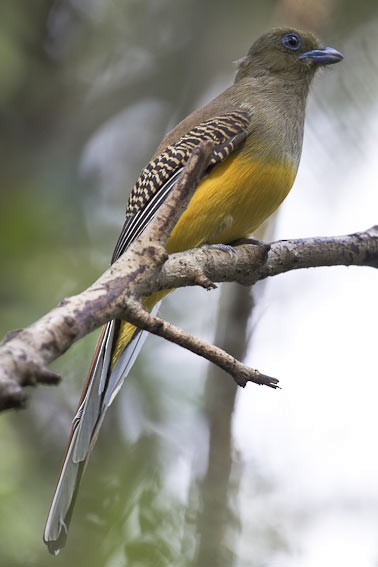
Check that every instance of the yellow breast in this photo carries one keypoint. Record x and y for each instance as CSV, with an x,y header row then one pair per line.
x,y
232,201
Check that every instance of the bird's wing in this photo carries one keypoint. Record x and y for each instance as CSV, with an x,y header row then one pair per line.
x,y
228,132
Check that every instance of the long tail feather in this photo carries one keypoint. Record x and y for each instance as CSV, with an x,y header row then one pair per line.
x,y
103,383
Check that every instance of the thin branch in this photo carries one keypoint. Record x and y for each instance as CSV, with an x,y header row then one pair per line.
x,y
241,373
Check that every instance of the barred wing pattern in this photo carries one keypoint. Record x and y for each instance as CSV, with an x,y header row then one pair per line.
x,y
158,177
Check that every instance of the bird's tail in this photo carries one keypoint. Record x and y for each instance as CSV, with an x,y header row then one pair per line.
x,y
104,381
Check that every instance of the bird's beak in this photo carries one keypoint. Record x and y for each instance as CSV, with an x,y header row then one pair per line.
x,y
323,55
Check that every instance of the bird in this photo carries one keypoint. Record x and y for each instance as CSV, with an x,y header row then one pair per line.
x,y
256,126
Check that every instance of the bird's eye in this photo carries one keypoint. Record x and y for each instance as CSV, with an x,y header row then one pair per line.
x,y
291,41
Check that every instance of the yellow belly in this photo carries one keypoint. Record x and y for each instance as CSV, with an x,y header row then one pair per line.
x,y
228,204
231,202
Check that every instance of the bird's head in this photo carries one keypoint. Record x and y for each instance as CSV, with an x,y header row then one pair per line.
x,y
287,52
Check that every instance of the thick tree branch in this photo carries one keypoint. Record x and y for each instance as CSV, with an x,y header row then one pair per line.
x,y
25,354
249,262
146,268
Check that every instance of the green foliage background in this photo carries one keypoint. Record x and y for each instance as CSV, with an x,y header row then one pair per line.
x,y
87,89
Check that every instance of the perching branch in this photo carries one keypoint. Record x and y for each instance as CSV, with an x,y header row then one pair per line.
x,y
249,262
146,268
25,354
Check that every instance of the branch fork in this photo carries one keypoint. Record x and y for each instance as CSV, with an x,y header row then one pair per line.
x,y
146,268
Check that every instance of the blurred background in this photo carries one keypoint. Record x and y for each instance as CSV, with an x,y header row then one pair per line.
x,y
187,470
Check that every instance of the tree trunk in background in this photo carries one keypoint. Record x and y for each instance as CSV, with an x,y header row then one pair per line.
x,y
216,516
